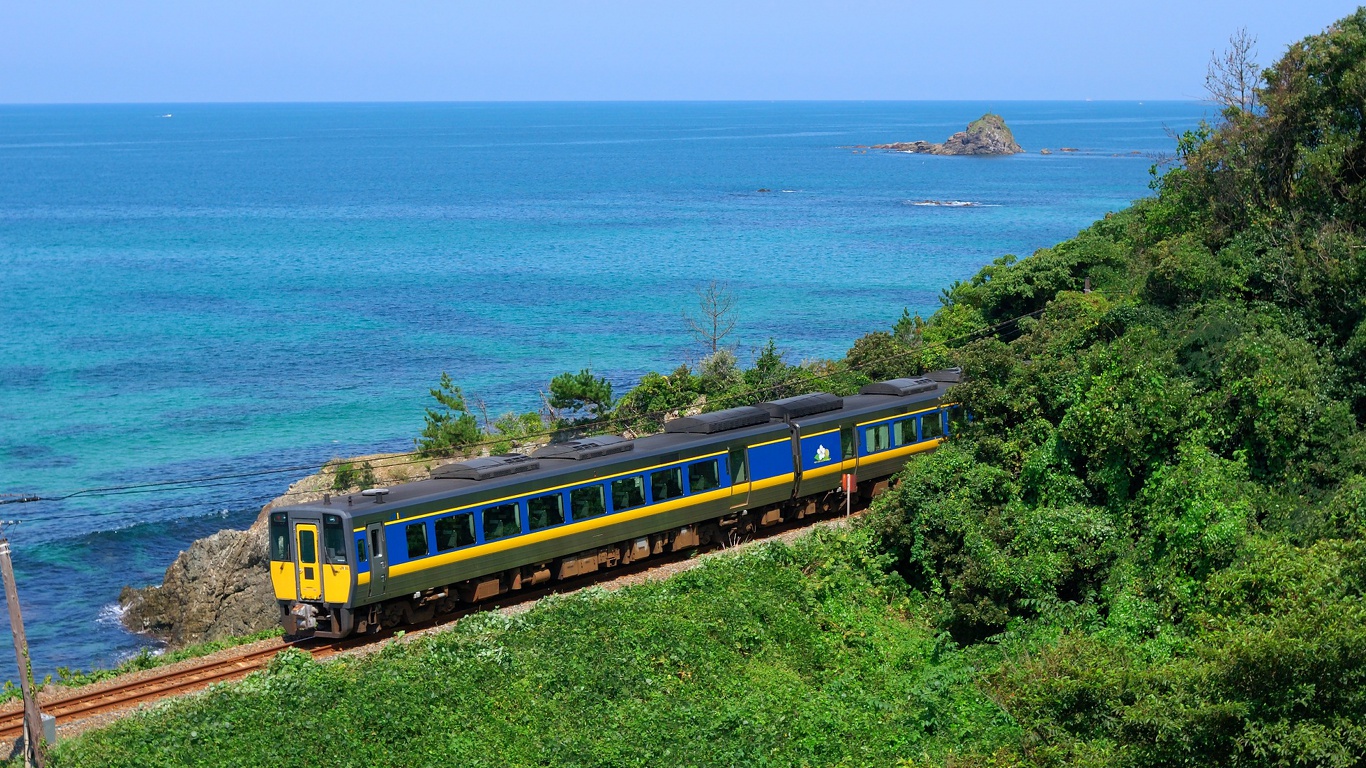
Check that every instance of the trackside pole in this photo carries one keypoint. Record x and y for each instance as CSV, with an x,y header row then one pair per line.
x,y
850,484
33,719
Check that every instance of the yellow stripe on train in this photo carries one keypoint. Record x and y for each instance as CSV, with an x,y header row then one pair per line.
x,y
415,566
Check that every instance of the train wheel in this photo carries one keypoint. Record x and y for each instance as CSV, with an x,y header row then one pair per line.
x,y
393,616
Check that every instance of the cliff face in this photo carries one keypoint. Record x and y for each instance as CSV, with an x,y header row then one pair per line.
x,y
220,587
217,588
987,135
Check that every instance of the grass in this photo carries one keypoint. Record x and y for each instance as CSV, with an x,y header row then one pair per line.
x,y
807,654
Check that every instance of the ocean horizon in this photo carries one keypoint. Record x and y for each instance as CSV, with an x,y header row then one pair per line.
x,y
198,290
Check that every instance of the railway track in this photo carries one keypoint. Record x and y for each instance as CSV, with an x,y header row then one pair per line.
x,y
124,696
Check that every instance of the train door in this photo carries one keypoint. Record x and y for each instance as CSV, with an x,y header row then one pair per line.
x,y
310,581
739,478
379,559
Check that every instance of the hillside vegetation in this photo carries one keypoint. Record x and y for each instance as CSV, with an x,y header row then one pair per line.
x,y
1149,547
1160,504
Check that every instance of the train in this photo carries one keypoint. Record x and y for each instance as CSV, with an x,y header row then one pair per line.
x,y
487,526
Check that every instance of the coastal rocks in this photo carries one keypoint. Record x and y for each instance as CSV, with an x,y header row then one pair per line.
x,y
1045,151
220,587
987,135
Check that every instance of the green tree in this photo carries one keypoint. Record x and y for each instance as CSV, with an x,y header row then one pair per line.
x,y
512,430
581,396
450,427
656,398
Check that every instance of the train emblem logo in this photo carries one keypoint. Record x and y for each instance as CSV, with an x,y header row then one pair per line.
x,y
822,454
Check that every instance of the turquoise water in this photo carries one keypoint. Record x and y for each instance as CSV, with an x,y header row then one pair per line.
x,y
243,287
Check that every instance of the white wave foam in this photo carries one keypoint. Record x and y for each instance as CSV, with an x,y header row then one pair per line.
x,y
111,615
952,204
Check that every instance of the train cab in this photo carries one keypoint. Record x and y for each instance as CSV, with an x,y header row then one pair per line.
x,y
310,570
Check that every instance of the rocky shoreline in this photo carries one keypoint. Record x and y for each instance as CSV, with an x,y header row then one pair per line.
x,y
220,586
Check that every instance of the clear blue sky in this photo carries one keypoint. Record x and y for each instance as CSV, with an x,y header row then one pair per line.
x,y
420,50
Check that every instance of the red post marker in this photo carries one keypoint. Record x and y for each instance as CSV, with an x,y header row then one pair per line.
x,y
849,483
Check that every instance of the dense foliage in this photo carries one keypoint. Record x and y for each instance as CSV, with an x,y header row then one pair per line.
x,y
450,427
1158,509
803,655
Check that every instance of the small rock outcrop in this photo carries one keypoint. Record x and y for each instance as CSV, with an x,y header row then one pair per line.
x,y
220,587
987,135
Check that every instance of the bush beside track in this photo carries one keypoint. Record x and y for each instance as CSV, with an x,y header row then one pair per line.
x,y
809,654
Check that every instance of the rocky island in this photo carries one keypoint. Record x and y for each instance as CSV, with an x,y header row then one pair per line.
x,y
987,135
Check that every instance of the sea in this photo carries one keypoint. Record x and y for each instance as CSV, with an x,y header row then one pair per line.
x,y
200,303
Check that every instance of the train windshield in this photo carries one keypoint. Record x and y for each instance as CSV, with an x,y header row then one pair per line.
x,y
279,536
334,540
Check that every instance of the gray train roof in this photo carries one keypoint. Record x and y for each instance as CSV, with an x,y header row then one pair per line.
x,y
498,476
643,450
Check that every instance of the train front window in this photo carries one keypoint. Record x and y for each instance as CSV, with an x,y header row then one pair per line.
x,y
704,476
279,537
308,548
628,492
334,540
666,484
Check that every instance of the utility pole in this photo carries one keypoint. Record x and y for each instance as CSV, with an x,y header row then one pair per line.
x,y
33,719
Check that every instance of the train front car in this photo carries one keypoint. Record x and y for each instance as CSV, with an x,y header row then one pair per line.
x,y
310,570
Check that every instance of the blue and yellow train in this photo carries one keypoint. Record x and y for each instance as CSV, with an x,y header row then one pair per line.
x,y
486,526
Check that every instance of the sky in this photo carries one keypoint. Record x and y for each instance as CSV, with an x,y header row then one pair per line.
x,y
168,51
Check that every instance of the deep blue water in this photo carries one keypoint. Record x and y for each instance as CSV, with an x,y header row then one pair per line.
x,y
242,287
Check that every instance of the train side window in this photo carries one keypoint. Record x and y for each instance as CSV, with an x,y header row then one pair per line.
x,y
932,425
587,502
739,468
334,540
956,419
416,534
704,476
454,532
279,537
374,542
876,438
362,556
545,511
847,442
501,521
666,484
628,492
903,432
